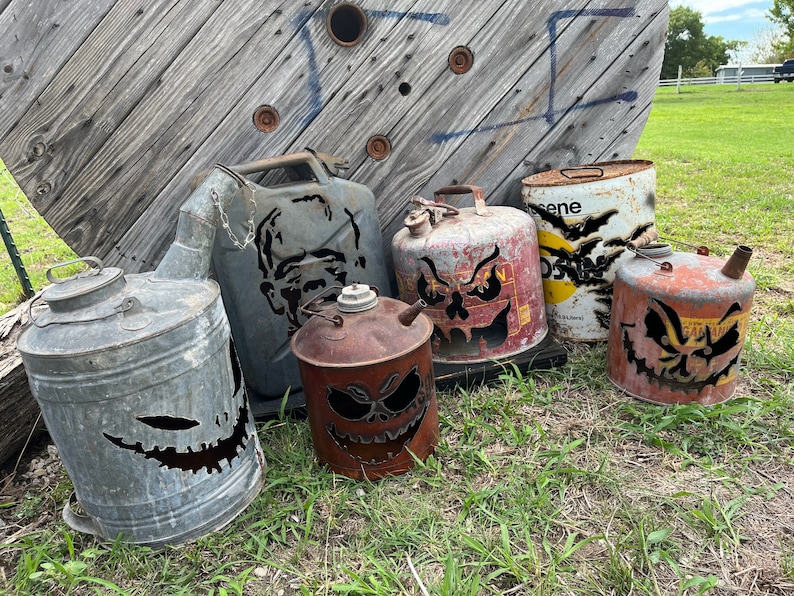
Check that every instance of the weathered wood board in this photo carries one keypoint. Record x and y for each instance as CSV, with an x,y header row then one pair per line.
x,y
110,107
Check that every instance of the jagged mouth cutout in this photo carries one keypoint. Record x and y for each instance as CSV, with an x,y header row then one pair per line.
x,y
208,455
352,404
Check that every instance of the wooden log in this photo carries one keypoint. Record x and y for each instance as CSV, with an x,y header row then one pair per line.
x,y
20,411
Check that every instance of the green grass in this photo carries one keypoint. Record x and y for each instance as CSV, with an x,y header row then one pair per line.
x,y
549,483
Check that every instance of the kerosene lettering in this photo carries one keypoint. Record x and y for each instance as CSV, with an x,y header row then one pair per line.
x,y
573,208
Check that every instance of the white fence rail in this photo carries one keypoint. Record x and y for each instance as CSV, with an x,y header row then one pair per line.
x,y
746,79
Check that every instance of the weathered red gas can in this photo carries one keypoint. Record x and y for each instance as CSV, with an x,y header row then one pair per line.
x,y
478,269
367,375
678,325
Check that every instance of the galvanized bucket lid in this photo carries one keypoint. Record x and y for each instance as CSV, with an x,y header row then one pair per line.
x,y
83,289
581,174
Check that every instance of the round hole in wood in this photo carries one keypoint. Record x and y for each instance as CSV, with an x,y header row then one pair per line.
x,y
266,118
346,24
404,89
378,147
461,60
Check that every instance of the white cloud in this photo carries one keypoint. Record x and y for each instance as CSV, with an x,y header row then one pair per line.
x,y
737,16
710,7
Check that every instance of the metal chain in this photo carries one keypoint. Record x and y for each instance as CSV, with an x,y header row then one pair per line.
x,y
247,190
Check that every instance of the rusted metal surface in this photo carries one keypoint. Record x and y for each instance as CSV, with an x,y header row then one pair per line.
x,y
368,380
677,333
142,394
312,233
585,216
477,269
461,60
266,118
378,147
346,24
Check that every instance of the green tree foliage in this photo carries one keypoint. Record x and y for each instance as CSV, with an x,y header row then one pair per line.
x,y
782,13
687,45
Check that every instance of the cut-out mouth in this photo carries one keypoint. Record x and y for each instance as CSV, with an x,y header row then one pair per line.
x,y
208,456
377,449
494,335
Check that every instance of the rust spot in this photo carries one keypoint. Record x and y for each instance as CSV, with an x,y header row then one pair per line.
x,y
378,147
266,118
461,60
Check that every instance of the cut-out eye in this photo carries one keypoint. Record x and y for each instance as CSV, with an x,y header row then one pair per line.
x,y
430,296
168,422
489,291
349,405
406,393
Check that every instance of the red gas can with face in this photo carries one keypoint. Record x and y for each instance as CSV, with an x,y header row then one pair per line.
x,y
678,325
478,269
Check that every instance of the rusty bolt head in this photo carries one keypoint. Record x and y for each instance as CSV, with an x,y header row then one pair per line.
x,y
461,60
378,147
266,118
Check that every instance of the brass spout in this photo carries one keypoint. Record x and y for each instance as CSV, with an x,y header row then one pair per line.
x,y
736,265
409,315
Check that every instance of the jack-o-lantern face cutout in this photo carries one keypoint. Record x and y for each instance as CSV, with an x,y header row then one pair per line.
x,y
691,354
470,308
171,428
375,430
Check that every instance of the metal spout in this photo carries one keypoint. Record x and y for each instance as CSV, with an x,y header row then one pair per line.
x,y
189,255
736,265
409,315
644,239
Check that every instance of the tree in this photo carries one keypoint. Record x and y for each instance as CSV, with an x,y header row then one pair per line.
x,y
688,46
782,13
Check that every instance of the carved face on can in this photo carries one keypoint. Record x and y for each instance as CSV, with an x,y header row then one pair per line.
x,y
295,258
190,441
472,305
682,354
371,428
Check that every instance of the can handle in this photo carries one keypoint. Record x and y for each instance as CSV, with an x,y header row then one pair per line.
x,y
463,189
90,273
80,523
599,172
306,310
286,161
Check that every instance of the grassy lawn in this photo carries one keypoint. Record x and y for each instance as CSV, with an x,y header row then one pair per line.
x,y
550,483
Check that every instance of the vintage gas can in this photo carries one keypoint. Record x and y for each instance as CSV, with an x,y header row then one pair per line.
x,y
585,216
478,270
678,325
142,394
367,374
314,232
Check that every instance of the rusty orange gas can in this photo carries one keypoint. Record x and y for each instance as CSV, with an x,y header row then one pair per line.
x,y
678,325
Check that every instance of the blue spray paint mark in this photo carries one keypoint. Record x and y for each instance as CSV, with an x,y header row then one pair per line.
x,y
551,114
315,86
441,137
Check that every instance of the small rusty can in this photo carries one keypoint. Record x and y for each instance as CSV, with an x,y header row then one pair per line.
x,y
367,375
678,325
585,215
477,268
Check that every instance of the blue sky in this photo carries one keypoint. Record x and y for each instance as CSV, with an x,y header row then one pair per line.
x,y
731,19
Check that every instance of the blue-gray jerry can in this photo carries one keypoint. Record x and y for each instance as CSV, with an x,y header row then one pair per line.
x,y
140,390
279,246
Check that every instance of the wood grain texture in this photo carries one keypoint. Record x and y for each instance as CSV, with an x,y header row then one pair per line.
x,y
146,100
20,410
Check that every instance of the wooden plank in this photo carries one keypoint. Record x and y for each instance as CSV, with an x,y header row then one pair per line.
x,y
83,105
310,70
38,38
191,96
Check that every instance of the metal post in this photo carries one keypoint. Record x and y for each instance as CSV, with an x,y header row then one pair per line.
x,y
16,260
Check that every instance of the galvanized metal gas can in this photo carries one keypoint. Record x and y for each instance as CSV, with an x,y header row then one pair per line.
x,y
585,215
314,232
478,270
140,390
367,374
679,321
